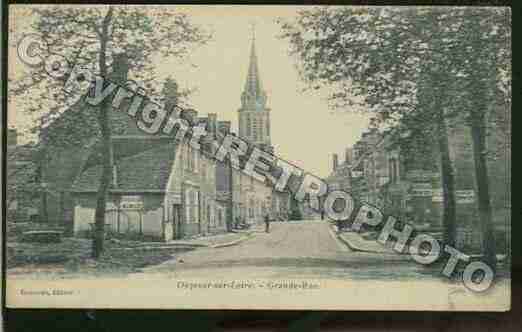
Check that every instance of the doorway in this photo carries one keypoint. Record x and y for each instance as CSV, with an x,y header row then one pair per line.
x,y
177,221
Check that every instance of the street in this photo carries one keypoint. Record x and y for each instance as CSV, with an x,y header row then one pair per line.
x,y
297,249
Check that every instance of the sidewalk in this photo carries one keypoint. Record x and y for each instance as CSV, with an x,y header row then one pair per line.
x,y
215,241
357,243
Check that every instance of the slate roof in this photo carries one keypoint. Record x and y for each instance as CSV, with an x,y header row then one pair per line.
x,y
148,170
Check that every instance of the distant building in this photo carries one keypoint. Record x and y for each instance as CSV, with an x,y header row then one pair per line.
x,y
340,177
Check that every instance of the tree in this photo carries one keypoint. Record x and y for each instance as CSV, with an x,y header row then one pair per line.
x,y
485,74
97,35
381,59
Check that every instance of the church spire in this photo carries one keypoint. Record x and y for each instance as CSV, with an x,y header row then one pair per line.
x,y
253,91
254,116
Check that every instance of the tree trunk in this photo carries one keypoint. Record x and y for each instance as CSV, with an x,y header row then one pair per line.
x,y
103,122
478,134
105,181
448,182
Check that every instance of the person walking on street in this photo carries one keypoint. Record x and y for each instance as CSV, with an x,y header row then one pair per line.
x,y
267,223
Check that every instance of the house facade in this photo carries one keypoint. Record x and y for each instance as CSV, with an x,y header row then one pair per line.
x,y
167,191
405,179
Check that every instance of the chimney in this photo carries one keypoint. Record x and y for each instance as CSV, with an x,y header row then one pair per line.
x,y
212,123
12,137
191,115
335,161
348,156
224,127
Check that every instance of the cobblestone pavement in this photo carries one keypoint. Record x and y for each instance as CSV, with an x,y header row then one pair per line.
x,y
293,249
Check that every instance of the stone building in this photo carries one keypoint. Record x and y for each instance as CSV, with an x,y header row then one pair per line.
x,y
340,177
405,180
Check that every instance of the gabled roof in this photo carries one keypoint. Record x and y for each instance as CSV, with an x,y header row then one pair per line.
x,y
145,171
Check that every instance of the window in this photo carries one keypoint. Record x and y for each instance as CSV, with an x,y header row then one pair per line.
x,y
188,205
195,207
192,159
394,170
220,217
209,216
192,205
390,171
187,158
255,129
251,208
260,126
196,160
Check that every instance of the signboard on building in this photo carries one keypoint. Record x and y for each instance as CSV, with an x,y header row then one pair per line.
x,y
418,192
334,186
383,180
357,174
462,196
131,203
437,196
421,175
421,190
465,196
175,198
222,195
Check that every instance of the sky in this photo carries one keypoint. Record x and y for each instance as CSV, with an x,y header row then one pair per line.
x,y
304,130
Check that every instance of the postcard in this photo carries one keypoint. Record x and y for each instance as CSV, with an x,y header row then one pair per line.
x,y
258,157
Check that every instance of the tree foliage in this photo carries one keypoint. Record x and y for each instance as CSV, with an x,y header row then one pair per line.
x,y
141,33
418,70
96,36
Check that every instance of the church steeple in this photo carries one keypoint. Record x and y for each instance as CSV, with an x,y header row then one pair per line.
x,y
253,94
254,116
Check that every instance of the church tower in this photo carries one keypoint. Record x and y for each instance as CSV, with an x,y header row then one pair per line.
x,y
254,116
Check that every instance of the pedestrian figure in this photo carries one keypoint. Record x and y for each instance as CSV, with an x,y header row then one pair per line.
x,y
267,223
